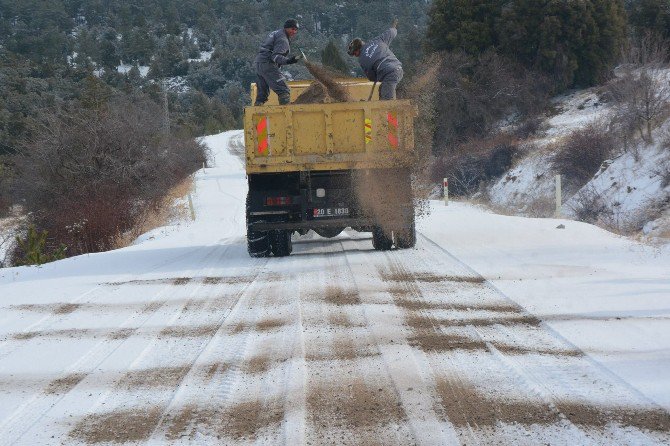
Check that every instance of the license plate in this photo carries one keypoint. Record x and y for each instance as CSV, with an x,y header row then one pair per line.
x,y
331,212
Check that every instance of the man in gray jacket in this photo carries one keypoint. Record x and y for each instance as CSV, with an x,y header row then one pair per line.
x,y
378,61
274,53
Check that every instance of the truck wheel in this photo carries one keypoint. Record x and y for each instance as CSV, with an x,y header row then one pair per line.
x,y
380,241
406,238
258,244
281,243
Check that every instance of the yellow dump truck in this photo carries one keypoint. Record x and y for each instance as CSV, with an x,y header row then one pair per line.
x,y
329,166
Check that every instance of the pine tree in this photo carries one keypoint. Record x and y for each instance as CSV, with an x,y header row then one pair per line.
x,y
650,16
466,25
95,93
574,42
331,57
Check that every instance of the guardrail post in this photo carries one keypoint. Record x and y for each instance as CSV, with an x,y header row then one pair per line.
x,y
446,192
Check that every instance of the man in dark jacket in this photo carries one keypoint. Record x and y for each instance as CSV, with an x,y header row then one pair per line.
x,y
274,53
378,61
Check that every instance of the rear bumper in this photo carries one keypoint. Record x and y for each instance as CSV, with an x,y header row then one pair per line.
x,y
314,224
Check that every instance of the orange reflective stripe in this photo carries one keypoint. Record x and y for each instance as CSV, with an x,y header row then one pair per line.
x,y
262,133
393,140
393,130
368,130
262,125
393,120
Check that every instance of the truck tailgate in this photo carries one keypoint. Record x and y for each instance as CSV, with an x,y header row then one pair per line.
x,y
333,136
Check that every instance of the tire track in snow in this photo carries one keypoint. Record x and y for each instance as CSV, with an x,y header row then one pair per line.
x,y
410,376
50,320
580,416
17,425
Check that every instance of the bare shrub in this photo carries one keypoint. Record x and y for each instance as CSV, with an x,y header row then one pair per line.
x,y
590,206
582,153
476,93
477,161
641,91
87,175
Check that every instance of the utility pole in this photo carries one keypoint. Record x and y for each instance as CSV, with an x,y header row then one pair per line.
x,y
559,198
166,109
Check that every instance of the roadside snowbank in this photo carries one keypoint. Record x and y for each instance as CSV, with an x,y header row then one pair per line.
x,y
606,294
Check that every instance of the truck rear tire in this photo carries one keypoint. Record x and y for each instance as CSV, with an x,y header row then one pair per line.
x,y
258,243
281,244
380,241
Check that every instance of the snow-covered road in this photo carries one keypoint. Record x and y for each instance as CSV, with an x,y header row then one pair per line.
x,y
184,339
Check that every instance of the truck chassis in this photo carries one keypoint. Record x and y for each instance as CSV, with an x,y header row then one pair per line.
x,y
327,202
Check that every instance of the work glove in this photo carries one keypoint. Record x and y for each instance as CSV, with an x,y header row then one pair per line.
x,y
292,60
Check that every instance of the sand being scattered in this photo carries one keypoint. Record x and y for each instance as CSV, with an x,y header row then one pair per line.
x,y
324,89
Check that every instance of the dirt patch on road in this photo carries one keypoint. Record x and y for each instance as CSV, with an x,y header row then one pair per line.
x,y
338,296
152,307
67,308
439,342
424,322
431,341
117,427
343,320
242,421
344,348
417,305
189,331
121,334
65,333
358,405
467,407
207,280
651,419
154,377
258,364
408,276
63,308
270,324
65,384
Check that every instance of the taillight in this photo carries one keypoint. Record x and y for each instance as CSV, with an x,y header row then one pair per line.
x,y
278,201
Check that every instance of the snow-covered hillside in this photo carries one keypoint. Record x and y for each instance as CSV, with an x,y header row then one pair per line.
x,y
633,186
493,330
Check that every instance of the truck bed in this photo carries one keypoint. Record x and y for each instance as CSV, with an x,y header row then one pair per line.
x,y
332,136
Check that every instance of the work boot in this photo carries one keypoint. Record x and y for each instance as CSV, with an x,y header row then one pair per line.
x,y
258,104
284,99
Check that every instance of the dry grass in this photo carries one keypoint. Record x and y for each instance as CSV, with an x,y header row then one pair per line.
x,y
170,208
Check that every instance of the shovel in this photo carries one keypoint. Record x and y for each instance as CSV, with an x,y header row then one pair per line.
x,y
372,91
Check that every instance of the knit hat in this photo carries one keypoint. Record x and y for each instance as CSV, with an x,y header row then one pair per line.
x,y
291,23
354,46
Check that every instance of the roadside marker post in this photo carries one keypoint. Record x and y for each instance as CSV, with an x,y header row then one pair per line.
x,y
446,192
190,206
559,198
